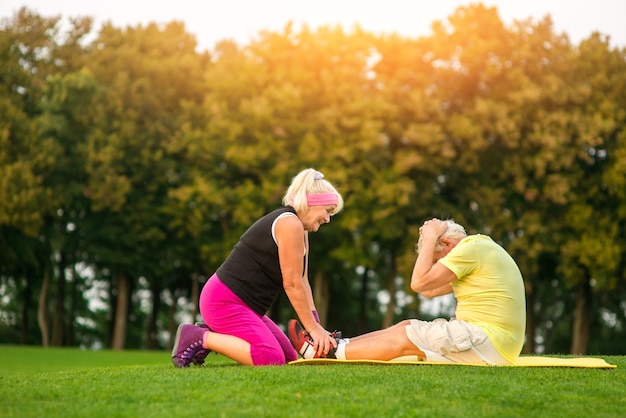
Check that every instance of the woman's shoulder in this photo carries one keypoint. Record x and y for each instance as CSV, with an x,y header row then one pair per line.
x,y
280,211
288,219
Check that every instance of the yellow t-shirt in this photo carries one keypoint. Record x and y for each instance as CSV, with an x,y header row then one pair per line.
x,y
490,292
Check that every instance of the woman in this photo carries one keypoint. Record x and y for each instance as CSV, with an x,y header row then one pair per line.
x,y
271,255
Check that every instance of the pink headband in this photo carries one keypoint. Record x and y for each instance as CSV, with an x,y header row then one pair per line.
x,y
321,199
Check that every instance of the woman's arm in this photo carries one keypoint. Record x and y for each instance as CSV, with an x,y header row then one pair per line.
x,y
305,277
290,237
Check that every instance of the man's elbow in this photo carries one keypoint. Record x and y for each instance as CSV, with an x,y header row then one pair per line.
x,y
416,286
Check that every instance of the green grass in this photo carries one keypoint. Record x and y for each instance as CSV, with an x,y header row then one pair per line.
x,y
37,382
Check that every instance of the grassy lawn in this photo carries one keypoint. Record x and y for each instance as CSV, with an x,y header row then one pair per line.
x,y
37,382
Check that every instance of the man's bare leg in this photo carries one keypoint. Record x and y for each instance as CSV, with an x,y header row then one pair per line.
x,y
385,344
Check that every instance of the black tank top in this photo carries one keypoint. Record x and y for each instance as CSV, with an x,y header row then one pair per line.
x,y
252,270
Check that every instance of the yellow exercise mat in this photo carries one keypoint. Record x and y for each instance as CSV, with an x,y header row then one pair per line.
x,y
523,361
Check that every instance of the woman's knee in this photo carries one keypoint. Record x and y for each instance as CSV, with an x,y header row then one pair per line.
x,y
266,355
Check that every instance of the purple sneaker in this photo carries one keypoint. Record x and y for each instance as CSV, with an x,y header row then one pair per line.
x,y
198,359
187,343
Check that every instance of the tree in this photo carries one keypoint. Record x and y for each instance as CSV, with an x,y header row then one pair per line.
x,y
148,75
130,165
30,54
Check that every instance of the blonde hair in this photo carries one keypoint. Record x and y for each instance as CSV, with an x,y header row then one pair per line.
x,y
453,231
309,181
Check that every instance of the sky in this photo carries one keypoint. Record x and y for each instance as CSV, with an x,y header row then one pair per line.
x,y
241,20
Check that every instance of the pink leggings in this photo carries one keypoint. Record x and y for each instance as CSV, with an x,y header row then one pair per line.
x,y
226,313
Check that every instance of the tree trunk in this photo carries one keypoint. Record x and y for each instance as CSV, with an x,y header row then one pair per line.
x,y
391,288
70,339
321,296
112,305
28,290
529,345
391,306
362,322
42,308
59,307
195,295
171,320
121,312
582,313
152,342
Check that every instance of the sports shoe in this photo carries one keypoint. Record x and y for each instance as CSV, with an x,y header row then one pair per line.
x,y
187,343
198,358
303,343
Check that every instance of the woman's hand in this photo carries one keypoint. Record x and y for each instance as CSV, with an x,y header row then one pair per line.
x,y
322,340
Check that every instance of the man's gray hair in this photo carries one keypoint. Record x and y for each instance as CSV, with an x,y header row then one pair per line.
x,y
453,231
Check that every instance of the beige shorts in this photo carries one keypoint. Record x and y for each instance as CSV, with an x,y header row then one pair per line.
x,y
453,342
